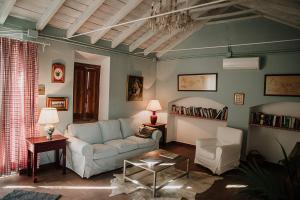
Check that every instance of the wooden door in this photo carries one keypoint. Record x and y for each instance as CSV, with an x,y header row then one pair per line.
x,y
86,92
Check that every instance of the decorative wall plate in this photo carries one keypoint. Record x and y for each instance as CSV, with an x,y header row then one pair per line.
x,y
58,73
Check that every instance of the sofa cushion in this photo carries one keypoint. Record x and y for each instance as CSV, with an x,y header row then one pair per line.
x,y
142,142
208,151
129,127
123,145
88,132
103,151
110,130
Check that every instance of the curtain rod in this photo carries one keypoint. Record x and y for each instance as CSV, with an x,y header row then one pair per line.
x,y
226,46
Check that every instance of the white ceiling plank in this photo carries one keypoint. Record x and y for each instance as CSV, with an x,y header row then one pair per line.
x,y
5,9
159,42
273,14
231,14
182,37
93,6
215,6
131,29
50,12
289,7
132,4
141,40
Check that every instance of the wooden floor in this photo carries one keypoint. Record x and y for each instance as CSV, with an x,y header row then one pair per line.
x,y
71,186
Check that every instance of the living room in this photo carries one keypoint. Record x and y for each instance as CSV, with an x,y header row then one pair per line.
x,y
138,99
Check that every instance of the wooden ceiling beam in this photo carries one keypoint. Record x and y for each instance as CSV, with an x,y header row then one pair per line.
x,y
48,14
288,7
231,14
93,6
132,4
5,9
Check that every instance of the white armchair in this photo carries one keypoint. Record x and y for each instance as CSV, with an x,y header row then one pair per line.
x,y
222,153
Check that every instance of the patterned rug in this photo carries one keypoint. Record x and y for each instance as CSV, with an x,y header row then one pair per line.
x,y
182,188
29,195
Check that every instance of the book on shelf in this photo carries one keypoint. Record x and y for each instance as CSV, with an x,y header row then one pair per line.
x,y
209,113
279,121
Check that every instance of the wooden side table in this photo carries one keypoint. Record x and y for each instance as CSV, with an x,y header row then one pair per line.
x,y
162,128
37,145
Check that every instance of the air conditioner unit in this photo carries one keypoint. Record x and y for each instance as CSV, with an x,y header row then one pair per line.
x,y
241,63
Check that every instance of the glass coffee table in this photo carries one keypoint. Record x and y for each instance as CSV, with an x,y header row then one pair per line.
x,y
154,162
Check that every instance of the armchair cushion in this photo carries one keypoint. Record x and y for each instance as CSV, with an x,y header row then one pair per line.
x,y
206,142
110,129
89,132
103,151
123,145
207,152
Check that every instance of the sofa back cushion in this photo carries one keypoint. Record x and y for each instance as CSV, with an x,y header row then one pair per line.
x,y
128,127
110,130
88,132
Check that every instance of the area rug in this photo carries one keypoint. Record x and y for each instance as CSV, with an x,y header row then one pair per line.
x,y
29,195
182,188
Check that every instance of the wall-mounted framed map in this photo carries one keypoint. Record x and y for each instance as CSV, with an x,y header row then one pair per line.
x,y
282,85
197,82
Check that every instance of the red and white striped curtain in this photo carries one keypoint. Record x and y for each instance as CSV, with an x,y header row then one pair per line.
x,y
18,102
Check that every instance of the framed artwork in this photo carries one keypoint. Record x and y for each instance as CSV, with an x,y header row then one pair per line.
x,y
282,85
135,88
58,73
239,98
60,103
41,89
197,82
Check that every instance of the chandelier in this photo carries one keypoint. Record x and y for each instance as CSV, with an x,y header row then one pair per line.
x,y
178,21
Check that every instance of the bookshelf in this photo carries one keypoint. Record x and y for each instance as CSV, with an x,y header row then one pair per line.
x,y
281,122
197,117
200,112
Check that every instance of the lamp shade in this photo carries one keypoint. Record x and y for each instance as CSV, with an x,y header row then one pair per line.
x,y
154,105
48,116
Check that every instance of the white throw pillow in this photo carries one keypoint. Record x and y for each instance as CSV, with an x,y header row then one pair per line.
x,y
129,127
110,130
88,132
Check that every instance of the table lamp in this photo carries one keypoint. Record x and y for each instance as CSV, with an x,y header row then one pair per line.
x,y
48,117
153,106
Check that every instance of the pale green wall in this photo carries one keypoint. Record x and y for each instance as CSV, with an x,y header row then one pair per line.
x,y
284,59
121,65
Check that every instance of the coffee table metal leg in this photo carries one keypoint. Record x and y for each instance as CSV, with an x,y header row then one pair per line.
x,y
187,168
124,171
154,184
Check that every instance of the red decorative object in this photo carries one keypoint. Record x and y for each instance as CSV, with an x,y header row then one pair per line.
x,y
153,118
58,73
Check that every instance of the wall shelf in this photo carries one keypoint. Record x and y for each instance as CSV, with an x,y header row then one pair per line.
x,y
197,117
274,127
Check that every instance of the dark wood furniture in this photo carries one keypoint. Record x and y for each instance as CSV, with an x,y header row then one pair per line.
x,y
162,128
86,92
37,145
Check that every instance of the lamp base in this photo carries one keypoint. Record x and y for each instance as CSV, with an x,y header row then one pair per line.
x,y
49,129
153,118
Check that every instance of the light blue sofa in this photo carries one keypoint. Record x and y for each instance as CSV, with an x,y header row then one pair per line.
x,y
93,148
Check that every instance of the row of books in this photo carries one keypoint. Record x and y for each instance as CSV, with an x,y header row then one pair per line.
x,y
275,120
209,113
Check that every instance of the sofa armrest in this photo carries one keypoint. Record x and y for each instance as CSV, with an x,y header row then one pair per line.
x,y
156,135
229,152
79,146
206,142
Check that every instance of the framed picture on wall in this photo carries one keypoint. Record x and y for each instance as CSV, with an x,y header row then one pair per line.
x,y
58,73
282,85
197,82
135,88
239,98
60,103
